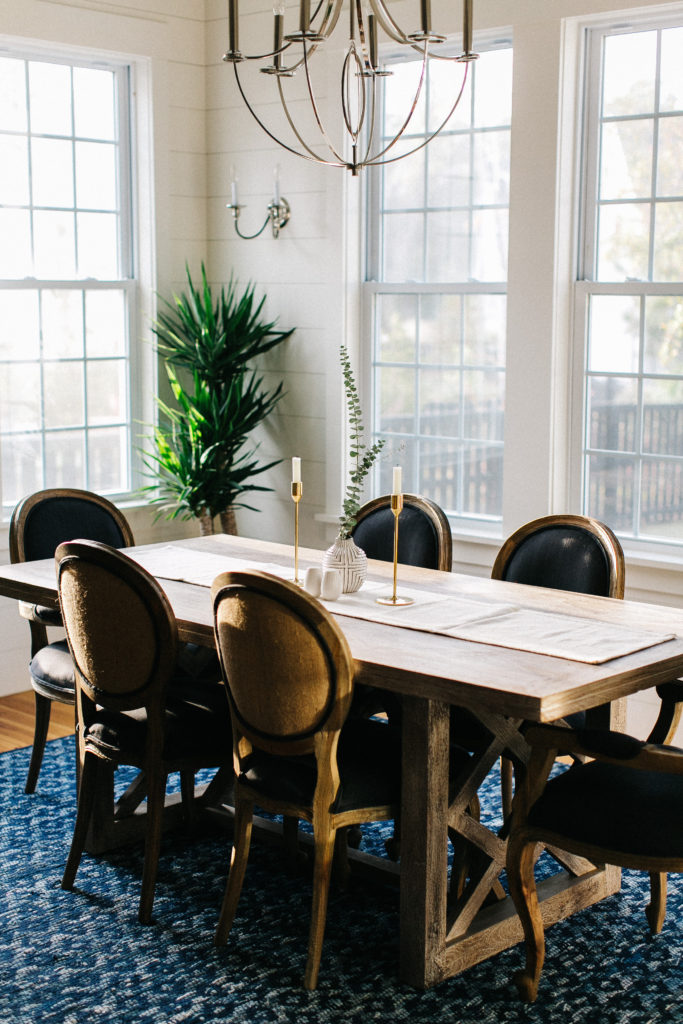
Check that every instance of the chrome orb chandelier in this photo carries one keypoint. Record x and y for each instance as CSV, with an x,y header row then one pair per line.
x,y
360,76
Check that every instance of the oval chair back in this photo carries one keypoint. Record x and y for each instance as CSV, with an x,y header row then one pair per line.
x,y
287,665
564,552
424,535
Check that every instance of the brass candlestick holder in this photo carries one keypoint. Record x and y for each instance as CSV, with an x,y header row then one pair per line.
x,y
296,498
395,599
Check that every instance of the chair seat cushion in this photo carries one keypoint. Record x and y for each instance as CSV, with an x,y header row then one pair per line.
x,y
369,759
52,672
615,807
196,726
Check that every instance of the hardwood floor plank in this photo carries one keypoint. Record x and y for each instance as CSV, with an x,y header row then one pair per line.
x,y
17,718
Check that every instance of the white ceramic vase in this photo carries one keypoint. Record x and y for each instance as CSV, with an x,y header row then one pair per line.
x,y
350,561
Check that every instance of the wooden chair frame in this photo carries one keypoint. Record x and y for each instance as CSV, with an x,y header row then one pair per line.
x,y
39,619
322,742
526,841
434,513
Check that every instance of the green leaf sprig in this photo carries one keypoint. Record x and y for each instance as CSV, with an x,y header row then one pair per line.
x,y
363,457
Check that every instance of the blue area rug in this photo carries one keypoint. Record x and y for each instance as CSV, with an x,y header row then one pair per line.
x,y
81,957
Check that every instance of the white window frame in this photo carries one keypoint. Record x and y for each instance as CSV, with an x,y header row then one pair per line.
x,y
371,288
584,285
137,232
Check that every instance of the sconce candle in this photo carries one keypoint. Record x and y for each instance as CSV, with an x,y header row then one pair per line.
x,y
276,185
233,187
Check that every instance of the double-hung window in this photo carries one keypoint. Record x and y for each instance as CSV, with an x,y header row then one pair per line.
x,y
436,289
67,291
629,308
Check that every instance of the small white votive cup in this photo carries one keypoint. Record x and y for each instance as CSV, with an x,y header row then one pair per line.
x,y
331,586
312,581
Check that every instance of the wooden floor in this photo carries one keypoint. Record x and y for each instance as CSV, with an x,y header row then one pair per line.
x,y
17,718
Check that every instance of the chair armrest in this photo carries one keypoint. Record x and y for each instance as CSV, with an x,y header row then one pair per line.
x,y
672,691
671,696
611,747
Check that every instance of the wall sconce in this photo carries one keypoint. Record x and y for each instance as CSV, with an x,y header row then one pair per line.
x,y
279,210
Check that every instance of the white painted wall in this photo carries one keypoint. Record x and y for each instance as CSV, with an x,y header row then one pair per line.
x,y
311,274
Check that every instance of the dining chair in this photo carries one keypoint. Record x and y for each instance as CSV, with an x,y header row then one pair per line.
x,y
623,807
123,639
564,552
39,523
424,536
289,675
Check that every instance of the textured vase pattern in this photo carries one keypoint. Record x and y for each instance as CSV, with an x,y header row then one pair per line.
x,y
350,561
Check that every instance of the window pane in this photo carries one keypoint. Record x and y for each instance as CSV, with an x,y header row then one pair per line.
x,y
668,242
441,329
614,334
630,74
65,459
52,172
445,79
105,323
669,168
12,95
63,395
663,417
22,382
484,405
397,328
94,104
403,247
22,467
493,88
611,482
108,460
624,242
403,183
448,237
50,97
106,391
96,176
661,499
491,167
440,403
54,244
440,463
490,245
13,171
98,245
671,78
482,475
396,400
485,326
626,160
15,251
613,414
20,334
664,334
449,177
401,89
62,324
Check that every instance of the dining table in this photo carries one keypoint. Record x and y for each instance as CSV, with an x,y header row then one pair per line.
x,y
505,652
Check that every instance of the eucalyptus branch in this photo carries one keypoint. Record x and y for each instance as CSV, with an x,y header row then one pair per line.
x,y
364,456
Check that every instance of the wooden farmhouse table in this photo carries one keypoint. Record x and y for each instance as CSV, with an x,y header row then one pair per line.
x,y
440,934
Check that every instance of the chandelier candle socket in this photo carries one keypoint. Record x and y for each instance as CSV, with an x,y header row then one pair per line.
x,y
360,76
296,498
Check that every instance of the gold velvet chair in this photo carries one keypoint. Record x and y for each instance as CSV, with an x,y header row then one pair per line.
x,y
39,523
289,676
123,639
624,807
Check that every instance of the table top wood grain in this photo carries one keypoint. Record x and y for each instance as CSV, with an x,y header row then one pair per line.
x,y
511,682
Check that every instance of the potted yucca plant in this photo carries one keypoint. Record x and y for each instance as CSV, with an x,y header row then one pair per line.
x,y
203,462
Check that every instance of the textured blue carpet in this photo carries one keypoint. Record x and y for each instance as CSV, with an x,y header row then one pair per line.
x,y
79,958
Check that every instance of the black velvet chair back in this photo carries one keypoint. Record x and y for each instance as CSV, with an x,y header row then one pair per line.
x,y
43,520
564,552
424,535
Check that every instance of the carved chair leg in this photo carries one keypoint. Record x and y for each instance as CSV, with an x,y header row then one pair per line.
x,y
324,852
43,708
521,856
86,796
656,909
244,811
341,869
156,792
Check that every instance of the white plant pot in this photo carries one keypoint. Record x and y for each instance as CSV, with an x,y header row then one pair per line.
x,y
350,561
